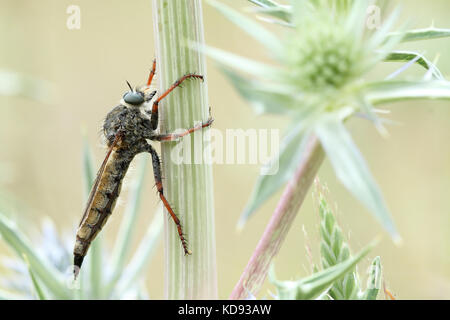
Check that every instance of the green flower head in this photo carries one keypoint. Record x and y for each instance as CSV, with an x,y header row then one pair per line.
x,y
322,57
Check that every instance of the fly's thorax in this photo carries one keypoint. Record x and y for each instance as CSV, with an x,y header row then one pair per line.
x,y
132,121
145,108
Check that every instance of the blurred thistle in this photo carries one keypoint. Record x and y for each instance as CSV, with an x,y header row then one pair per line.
x,y
43,269
319,79
14,84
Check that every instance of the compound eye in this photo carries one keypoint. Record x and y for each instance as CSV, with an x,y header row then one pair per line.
x,y
133,98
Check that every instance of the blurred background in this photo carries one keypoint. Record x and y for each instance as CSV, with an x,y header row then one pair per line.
x,y
81,75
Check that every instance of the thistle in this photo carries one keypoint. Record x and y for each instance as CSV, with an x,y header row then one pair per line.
x,y
319,79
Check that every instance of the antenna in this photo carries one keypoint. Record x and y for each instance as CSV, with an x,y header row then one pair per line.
x,y
129,85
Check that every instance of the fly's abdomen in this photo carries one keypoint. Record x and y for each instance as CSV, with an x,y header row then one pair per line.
x,y
104,197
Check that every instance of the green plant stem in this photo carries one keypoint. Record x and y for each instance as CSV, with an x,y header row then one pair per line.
x,y
188,187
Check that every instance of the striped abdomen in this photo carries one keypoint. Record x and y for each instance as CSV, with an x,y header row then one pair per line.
x,y
102,200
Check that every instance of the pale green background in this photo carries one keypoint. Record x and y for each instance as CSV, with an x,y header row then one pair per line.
x,y
41,143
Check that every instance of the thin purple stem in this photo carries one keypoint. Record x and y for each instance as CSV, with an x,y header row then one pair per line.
x,y
268,246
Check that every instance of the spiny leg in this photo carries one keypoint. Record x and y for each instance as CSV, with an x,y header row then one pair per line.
x,y
154,118
152,73
157,173
175,136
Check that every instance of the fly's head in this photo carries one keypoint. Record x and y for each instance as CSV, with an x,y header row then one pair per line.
x,y
130,117
137,97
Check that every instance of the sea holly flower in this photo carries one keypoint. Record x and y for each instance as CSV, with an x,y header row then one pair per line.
x,y
319,79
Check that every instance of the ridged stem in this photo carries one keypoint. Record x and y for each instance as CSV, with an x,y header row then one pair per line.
x,y
188,187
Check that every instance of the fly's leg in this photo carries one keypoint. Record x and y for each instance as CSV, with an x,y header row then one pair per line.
x,y
176,136
159,186
152,73
154,118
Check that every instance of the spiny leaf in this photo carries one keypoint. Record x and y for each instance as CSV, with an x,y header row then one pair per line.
x,y
254,29
280,13
381,42
392,91
352,170
37,287
397,56
423,34
265,3
252,67
263,98
278,171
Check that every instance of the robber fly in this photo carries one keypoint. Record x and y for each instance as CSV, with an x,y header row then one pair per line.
x,y
127,128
